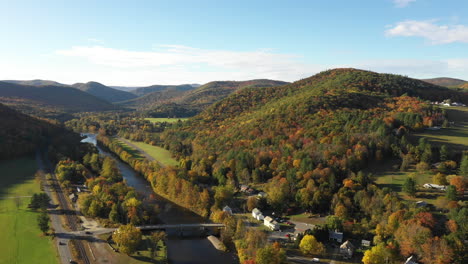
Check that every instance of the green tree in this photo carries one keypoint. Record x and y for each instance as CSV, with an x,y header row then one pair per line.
x,y
271,254
451,193
114,215
310,246
43,221
464,165
333,222
127,237
444,153
39,200
409,186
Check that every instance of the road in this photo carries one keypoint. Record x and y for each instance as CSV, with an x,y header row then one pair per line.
x,y
55,216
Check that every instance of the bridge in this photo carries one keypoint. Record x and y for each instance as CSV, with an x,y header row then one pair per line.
x,y
181,226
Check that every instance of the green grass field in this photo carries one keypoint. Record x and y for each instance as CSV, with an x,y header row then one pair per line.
x,y
160,154
135,153
455,136
168,120
21,240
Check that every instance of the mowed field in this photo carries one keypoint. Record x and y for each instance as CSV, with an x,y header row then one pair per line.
x,y
168,120
21,240
456,136
160,154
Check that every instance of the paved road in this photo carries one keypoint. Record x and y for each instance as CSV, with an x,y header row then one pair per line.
x,y
138,148
63,250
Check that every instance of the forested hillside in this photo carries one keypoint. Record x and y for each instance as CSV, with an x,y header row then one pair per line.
x,y
444,81
307,146
183,103
140,91
104,92
21,134
49,99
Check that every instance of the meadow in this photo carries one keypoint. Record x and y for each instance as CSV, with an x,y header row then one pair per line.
x,y
168,120
160,154
456,136
22,241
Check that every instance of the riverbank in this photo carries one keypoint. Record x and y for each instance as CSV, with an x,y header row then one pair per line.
x,y
179,250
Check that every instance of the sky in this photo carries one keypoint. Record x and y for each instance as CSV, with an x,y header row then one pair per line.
x,y
138,43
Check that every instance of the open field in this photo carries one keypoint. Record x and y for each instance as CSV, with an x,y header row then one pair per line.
x,y
143,255
160,154
22,241
132,151
455,136
168,120
388,175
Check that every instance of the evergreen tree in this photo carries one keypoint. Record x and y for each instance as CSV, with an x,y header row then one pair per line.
x,y
409,186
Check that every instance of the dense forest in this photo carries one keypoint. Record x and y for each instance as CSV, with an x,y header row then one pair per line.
x,y
23,135
306,145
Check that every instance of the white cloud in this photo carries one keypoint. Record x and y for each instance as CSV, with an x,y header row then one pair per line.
x,y
436,34
457,68
201,65
402,3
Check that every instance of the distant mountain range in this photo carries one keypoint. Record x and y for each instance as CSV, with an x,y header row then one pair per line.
x,y
181,102
104,92
445,81
45,99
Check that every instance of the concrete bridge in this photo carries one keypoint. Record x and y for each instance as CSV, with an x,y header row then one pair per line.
x,y
181,226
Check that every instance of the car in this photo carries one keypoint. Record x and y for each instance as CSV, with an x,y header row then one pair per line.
x,y
316,260
61,243
88,233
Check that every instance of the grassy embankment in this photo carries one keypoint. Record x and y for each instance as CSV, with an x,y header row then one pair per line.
x,y
168,120
455,137
21,241
159,154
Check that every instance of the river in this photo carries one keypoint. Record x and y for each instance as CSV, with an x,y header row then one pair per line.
x,y
180,250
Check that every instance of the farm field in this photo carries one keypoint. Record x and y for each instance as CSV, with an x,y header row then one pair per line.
x,y
162,119
22,241
160,154
455,136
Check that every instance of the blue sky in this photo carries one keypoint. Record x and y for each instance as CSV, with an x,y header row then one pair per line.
x,y
139,43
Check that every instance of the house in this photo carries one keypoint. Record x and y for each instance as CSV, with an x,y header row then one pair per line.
x,y
347,250
335,235
435,186
420,204
257,214
365,243
411,260
73,197
227,209
243,188
270,223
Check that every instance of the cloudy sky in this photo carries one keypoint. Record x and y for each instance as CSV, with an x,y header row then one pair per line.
x,y
136,43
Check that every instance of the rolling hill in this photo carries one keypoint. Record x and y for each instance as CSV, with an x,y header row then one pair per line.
x,y
141,91
180,103
36,82
104,92
50,98
445,81
22,134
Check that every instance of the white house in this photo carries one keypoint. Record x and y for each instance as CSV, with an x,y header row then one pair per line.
x,y
435,186
270,223
227,209
411,260
347,250
257,214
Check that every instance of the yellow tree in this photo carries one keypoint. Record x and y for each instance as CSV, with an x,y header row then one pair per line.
x,y
310,246
377,255
127,237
